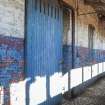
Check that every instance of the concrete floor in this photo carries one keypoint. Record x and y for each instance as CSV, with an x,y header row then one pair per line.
x,y
94,95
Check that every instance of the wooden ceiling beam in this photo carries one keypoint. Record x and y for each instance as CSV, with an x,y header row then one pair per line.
x,y
98,5
95,1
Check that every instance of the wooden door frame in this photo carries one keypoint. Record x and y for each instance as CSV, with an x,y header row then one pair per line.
x,y
73,31
25,38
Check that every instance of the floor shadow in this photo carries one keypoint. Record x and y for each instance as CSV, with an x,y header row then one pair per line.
x,y
28,84
6,90
32,75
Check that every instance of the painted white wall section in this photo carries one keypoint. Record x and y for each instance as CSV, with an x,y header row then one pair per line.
x,y
12,18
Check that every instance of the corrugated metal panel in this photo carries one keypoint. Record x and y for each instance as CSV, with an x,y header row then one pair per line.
x,y
44,37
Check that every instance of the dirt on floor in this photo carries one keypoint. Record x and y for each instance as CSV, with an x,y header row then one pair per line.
x,y
94,95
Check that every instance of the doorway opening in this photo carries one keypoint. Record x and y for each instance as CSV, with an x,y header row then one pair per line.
x,y
68,39
91,30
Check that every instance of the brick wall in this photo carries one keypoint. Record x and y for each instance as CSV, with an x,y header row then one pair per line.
x,y
82,54
12,50
11,46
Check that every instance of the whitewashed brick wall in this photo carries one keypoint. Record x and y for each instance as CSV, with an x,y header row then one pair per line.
x,y
12,18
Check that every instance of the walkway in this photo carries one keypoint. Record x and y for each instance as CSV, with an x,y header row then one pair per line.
x,y
94,95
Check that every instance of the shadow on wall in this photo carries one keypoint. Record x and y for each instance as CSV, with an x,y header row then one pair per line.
x,y
39,87
46,90
43,85
86,73
43,90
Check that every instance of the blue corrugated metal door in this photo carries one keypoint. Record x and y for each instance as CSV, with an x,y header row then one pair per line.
x,y
44,41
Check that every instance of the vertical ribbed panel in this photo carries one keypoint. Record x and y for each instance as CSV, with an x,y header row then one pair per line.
x,y
44,41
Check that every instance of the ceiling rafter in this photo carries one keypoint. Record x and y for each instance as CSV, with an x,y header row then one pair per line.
x,y
98,5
